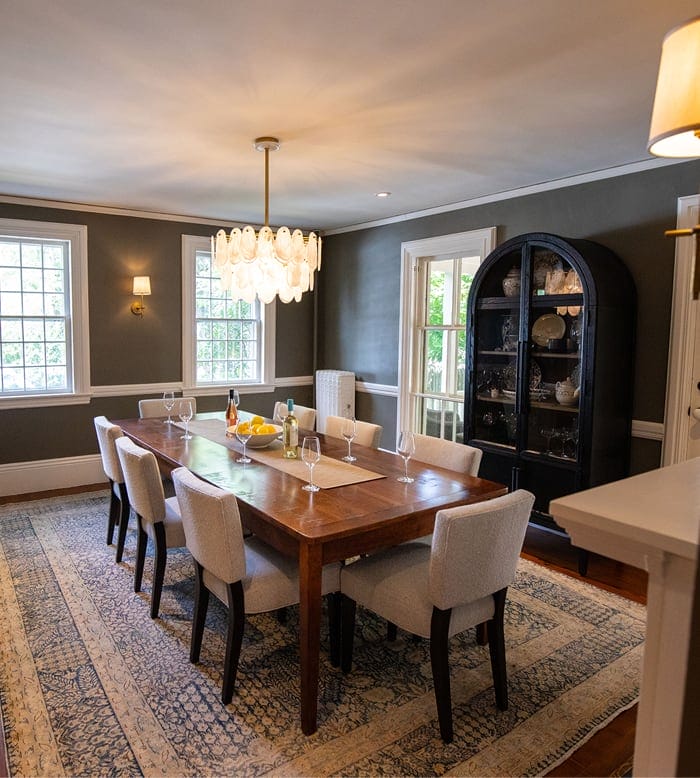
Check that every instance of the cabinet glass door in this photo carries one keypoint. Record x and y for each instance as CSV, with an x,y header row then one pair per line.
x,y
557,344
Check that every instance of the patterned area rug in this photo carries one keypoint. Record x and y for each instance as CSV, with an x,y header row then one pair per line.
x,y
90,685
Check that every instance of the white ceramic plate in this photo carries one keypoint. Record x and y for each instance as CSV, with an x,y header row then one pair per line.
x,y
548,326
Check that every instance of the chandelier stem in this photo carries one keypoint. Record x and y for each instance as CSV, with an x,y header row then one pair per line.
x,y
267,186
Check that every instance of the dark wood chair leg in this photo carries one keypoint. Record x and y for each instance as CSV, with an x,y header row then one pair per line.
x,y
234,639
334,627
160,558
497,650
281,614
199,616
482,633
347,631
123,521
114,508
439,639
391,631
583,556
141,544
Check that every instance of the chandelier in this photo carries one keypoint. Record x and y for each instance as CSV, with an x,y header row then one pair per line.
x,y
266,264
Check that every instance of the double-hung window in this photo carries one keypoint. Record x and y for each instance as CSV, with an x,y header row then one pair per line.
x,y
44,342
225,343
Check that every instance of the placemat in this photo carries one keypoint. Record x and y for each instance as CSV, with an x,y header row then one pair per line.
x,y
328,472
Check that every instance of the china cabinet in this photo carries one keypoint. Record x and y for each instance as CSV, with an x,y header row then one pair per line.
x,y
550,349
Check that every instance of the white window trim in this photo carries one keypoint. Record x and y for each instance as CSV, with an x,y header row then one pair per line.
x,y
459,243
190,245
76,234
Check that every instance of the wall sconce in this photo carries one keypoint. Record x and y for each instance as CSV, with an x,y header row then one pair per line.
x,y
675,120
142,286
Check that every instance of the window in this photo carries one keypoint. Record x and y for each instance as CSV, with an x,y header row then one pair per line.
x,y
44,351
436,277
224,342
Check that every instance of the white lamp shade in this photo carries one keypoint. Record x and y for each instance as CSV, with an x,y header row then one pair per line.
x,y
142,285
675,120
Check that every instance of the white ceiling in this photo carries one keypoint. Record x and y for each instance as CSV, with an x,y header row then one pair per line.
x,y
153,104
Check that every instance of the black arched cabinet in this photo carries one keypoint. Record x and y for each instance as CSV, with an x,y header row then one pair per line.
x,y
550,350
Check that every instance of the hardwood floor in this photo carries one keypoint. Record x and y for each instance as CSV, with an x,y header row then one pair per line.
x,y
609,752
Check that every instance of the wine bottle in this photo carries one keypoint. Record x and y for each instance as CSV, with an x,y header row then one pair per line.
x,y
290,432
231,412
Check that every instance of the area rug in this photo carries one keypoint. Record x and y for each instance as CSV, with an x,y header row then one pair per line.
x,y
90,685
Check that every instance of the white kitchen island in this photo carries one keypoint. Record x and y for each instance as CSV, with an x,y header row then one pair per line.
x,y
650,521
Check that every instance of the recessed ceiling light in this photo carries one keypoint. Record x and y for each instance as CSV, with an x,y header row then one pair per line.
x,y
383,194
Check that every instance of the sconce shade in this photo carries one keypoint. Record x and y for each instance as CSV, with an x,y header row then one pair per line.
x,y
675,120
142,285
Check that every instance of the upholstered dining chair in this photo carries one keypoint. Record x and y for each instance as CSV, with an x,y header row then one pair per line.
x,y
447,453
247,575
367,434
305,416
151,408
436,592
119,507
158,518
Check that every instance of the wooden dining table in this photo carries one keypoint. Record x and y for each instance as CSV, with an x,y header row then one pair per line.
x,y
319,528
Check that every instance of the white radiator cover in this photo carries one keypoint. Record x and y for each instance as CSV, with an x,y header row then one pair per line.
x,y
335,395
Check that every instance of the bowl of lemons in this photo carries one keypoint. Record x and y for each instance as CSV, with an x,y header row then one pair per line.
x,y
261,432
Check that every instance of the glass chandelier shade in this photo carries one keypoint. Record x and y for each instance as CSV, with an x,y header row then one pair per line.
x,y
265,264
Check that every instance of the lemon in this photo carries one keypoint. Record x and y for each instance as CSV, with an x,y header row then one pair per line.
x,y
256,420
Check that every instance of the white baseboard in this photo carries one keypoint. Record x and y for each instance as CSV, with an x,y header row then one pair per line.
x,y
46,474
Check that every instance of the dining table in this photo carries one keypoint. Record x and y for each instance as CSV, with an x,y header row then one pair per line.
x,y
361,508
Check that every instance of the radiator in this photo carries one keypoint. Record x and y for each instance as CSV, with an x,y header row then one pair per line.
x,y
335,395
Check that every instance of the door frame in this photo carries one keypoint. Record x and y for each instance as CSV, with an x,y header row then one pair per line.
x,y
684,327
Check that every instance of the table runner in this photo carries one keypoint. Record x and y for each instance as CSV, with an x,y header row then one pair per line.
x,y
328,472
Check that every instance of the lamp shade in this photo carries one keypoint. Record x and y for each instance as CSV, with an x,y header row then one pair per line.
x,y
675,120
142,285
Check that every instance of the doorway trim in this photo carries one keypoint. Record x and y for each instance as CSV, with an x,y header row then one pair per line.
x,y
684,311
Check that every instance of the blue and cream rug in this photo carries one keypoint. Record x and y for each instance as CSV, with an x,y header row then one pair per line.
x,y
91,686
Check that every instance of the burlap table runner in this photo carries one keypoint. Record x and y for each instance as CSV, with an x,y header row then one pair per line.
x,y
328,472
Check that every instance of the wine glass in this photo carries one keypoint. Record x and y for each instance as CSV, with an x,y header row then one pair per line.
x,y
406,449
243,437
236,398
349,431
186,412
311,453
547,433
169,404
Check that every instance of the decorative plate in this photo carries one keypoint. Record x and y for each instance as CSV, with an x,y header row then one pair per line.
x,y
544,262
548,326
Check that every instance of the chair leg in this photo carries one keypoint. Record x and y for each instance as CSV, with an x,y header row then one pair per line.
x,y
140,555
391,632
482,633
334,627
161,556
347,631
199,617
234,639
114,508
281,614
123,521
497,650
439,640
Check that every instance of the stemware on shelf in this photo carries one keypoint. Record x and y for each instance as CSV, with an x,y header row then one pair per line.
x,y
349,431
311,453
406,449
185,411
243,438
169,404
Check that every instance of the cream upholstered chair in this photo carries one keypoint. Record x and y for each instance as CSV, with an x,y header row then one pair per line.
x,y
246,575
119,508
437,592
367,434
149,409
305,416
158,518
447,453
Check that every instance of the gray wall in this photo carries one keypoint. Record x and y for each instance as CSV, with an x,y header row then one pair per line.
x,y
359,294
126,349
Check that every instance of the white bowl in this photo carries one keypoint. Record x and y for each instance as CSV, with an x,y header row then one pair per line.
x,y
259,441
